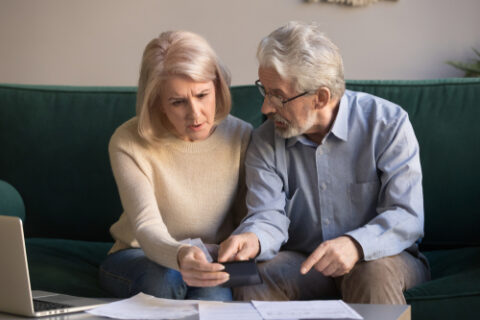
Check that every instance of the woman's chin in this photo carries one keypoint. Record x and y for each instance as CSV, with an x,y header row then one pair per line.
x,y
197,135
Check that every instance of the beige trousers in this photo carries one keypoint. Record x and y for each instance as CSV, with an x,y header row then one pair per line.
x,y
381,281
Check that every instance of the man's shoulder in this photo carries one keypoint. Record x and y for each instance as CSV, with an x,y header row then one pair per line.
x,y
235,128
265,142
265,132
367,105
236,123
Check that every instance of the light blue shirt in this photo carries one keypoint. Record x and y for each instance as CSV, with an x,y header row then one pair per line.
x,y
364,180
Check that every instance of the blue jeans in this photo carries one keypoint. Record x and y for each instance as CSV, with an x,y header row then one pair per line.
x,y
128,272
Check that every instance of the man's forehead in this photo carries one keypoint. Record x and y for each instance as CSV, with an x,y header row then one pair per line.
x,y
272,80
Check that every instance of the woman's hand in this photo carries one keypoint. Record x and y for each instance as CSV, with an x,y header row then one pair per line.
x,y
197,271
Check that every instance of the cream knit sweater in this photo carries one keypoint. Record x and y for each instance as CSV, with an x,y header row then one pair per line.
x,y
175,189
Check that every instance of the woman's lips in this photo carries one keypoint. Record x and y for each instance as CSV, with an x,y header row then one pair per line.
x,y
196,127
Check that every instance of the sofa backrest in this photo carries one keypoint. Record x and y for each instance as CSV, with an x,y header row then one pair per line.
x,y
53,150
53,142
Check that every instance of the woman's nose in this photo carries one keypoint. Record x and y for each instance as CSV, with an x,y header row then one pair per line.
x,y
195,109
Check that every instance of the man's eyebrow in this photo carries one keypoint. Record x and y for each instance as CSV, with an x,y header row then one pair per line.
x,y
277,92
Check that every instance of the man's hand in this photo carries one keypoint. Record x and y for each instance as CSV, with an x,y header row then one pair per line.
x,y
197,271
333,258
239,247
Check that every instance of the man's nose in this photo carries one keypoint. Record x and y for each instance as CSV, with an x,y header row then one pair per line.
x,y
267,107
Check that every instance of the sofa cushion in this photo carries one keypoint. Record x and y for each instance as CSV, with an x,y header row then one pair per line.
x,y
66,266
454,290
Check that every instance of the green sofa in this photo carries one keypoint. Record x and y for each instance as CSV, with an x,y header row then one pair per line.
x,y
55,173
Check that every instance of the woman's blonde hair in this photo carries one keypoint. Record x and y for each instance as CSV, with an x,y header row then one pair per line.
x,y
177,53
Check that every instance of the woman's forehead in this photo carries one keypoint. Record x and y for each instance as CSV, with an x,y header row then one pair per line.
x,y
182,85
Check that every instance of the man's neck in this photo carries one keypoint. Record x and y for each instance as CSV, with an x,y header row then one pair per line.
x,y
326,118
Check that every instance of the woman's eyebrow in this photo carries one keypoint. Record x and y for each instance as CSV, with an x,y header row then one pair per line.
x,y
175,98
206,90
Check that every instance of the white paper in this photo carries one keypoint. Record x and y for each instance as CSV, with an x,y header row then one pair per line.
x,y
143,306
315,309
227,310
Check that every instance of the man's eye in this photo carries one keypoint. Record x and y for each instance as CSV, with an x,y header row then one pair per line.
x,y
277,97
202,95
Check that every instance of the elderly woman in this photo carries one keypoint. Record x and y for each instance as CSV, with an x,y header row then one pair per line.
x,y
178,165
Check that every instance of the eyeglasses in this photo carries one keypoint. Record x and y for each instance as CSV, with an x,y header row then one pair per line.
x,y
277,101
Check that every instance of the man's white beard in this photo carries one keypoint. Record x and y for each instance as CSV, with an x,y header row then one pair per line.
x,y
292,130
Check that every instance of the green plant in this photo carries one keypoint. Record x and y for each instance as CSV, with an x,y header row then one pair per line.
x,y
471,69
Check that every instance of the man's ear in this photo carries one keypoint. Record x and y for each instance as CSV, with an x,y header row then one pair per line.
x,y
323,97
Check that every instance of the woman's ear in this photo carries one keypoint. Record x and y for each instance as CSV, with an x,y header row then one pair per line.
x,y
323,97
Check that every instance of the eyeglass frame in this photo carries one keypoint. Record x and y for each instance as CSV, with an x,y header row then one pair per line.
x,y
264,93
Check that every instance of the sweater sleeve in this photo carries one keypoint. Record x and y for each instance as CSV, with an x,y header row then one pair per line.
x,y
140,205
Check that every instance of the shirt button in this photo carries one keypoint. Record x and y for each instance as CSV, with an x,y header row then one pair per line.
x,y
323,186
326,221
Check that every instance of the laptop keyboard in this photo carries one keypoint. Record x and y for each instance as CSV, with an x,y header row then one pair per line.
x,y
39,305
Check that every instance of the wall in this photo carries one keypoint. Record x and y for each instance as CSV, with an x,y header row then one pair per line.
x,y
100,42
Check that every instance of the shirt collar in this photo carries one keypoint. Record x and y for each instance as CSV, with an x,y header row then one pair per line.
x,y
301,139
340,126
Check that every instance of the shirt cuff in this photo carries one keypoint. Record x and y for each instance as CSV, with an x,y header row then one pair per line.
x,y
269,237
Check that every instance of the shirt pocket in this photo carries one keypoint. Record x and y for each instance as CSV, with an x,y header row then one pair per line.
x,y
363,202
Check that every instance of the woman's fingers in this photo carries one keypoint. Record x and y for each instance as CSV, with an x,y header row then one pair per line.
x,y
200,278
197,271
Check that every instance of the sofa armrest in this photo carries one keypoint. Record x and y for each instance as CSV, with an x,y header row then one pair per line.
x,y
11,203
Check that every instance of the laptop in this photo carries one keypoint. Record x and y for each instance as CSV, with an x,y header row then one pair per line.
x,y
16,296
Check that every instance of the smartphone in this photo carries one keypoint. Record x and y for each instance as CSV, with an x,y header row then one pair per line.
x,y
242,273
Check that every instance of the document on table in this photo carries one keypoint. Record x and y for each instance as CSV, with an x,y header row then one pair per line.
x,y
228,310
145,307
316,309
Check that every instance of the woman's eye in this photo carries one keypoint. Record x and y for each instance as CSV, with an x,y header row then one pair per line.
x,y
177,102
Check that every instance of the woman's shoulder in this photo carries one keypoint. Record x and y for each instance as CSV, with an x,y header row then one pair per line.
x,y
126,133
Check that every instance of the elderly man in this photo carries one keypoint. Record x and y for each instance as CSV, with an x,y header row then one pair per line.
x,y
334,183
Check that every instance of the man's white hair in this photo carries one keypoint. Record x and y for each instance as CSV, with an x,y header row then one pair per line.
x,y
302,54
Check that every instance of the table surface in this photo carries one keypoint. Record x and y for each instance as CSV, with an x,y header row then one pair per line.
x,y
367,311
